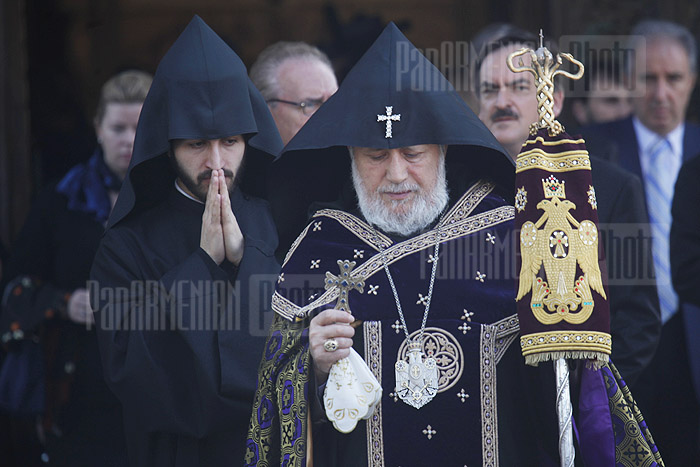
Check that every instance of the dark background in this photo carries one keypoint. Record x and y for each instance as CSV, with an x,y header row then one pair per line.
x,y
57,53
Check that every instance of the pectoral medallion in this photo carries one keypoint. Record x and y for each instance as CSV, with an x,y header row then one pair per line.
x,y
417,379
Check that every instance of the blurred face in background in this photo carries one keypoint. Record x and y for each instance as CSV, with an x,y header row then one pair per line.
x,y
115,134
306,81
666,77
606,101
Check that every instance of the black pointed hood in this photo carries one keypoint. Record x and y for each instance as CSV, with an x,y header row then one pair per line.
x,y
393,73
200,90
392,76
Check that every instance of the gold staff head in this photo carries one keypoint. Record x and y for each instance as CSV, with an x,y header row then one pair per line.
x,y
544,67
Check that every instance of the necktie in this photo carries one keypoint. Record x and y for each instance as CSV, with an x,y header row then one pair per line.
x,y
659,181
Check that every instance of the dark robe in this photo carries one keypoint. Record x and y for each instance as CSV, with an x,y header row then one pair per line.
x,y
490,408
470,328
83,419
181,337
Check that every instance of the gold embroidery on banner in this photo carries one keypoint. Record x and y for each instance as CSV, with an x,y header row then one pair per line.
x,y
521,199
591,197
558,142
445,349
575,341
373,357
398,251
489,415
559,245
565,162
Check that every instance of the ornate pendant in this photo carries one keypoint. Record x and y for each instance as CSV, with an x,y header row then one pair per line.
x,y
417,379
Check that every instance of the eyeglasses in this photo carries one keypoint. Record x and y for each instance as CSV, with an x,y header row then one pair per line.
x,y
308,107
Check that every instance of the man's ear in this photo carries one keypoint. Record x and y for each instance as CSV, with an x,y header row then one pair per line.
x,y
558,102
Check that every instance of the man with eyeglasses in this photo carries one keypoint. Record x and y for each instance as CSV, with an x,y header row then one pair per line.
x,y
295,78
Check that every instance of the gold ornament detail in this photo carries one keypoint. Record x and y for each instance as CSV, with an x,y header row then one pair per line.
x,y
591,197
559,242
521,199
544,67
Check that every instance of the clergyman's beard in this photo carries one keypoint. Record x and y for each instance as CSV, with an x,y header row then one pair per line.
x,y
197,186
420,210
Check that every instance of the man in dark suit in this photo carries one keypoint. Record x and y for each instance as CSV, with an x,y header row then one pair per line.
x,y
507,107
653,144
662,79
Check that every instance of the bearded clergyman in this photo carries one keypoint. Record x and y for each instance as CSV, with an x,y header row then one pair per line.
x,y
395,317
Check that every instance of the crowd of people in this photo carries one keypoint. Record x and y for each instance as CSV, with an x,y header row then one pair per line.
x,y
259,268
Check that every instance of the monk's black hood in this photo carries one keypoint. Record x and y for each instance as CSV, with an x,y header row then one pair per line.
x,y
200,90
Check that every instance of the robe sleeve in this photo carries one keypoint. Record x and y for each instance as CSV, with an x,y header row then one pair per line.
x,y
277,434
160,358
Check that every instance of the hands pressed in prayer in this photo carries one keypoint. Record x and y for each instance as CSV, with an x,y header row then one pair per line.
x,y
212,236
79,310
221,236
327,325
233,237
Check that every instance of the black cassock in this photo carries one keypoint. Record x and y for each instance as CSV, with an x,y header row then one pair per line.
x,y
180,337
180,348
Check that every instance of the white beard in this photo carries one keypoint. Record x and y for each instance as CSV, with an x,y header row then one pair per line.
x,y
405,216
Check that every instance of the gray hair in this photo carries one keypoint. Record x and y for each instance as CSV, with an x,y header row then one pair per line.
x,y
263,73
651,29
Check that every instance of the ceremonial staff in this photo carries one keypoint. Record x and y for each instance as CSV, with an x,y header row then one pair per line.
x,y
567,315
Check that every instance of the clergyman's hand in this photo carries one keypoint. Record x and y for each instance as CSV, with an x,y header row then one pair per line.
x,y
326,325
233,237
212,235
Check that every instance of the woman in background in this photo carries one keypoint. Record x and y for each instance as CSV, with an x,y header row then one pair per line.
x,y
46,300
